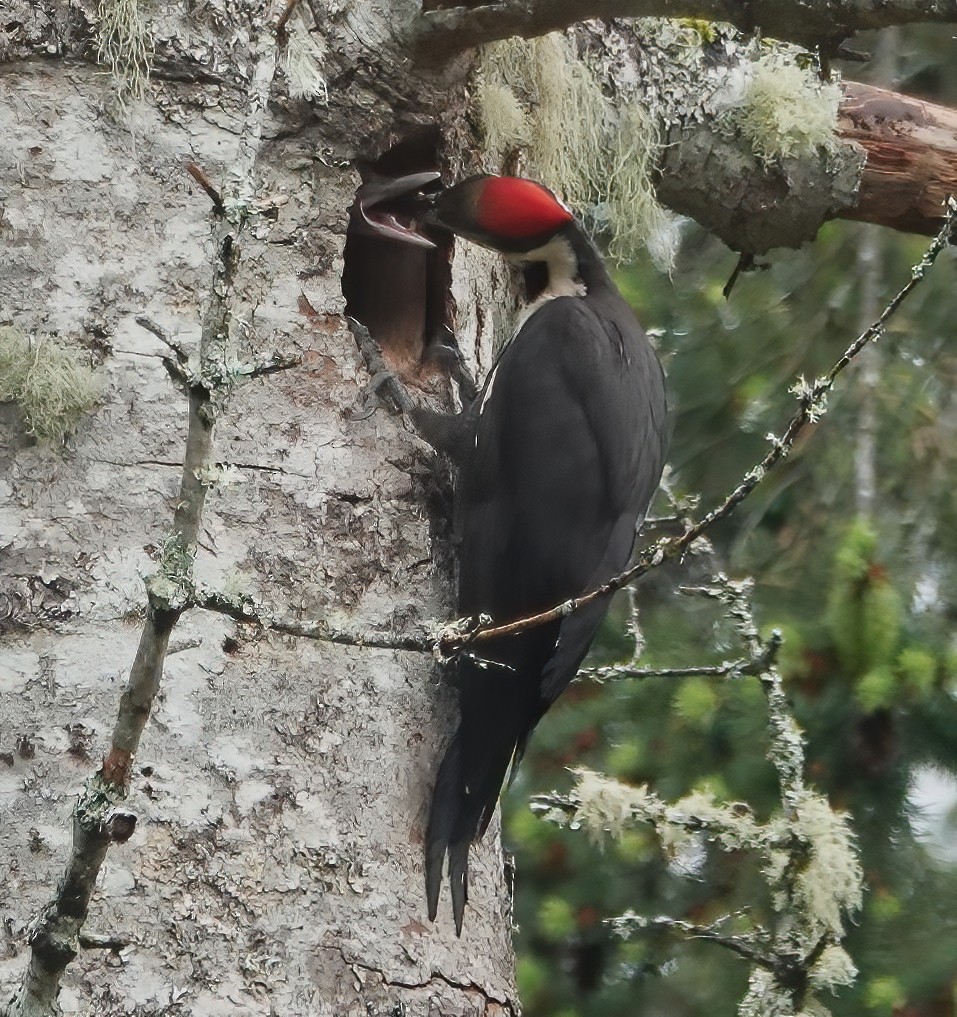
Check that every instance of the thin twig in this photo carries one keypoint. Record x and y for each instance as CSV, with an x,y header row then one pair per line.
x,y
751,946
251,613
145,321
811,398
177,369
271,365
95,941
207,185
287,12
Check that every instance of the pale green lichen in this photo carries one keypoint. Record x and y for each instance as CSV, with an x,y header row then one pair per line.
x,y
829,882
730,825
765,997
124,42
782,109
833,968
171,586
607,806
51,384
303,59
813,395
220,476
630,204
505,123
538,99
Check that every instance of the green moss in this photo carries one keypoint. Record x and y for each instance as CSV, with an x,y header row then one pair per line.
x,y
51,384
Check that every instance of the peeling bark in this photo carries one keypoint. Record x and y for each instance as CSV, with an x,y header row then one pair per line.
x,y
911,157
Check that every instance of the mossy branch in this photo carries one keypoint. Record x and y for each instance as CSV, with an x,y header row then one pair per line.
x,y
441,33
807,851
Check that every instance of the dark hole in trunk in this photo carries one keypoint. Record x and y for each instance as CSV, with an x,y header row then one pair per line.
x,y
400,292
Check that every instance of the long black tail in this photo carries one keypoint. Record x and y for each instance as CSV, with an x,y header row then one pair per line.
x,y
448,801
464,800
499,701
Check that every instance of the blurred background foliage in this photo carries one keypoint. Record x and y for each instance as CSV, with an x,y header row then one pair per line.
x,y
863,587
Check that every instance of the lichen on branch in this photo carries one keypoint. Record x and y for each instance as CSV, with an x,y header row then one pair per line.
x,y
125,44
807,852
539,102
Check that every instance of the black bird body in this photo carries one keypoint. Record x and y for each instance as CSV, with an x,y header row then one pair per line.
x,y
558,459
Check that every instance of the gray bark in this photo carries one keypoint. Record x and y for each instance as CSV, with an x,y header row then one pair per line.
x,y
281,783
441,33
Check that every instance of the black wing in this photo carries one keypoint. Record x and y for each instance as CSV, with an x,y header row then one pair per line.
x,y
567,452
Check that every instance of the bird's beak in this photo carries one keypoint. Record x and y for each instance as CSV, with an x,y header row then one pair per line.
x,y
394,208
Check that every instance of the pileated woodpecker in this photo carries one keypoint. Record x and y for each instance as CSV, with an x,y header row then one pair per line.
x,y
558,458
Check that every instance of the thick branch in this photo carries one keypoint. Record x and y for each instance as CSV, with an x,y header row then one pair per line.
x,y
911,148
441,34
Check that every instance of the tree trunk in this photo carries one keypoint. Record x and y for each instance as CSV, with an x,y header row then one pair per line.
x,y
281,783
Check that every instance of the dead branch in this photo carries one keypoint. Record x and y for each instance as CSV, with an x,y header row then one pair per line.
x,y
207,185
247,611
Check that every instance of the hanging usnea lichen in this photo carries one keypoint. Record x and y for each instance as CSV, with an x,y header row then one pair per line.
x,y
537,98
51,384
123,42
810,864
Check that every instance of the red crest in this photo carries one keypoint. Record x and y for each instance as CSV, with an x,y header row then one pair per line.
x,y
514,208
